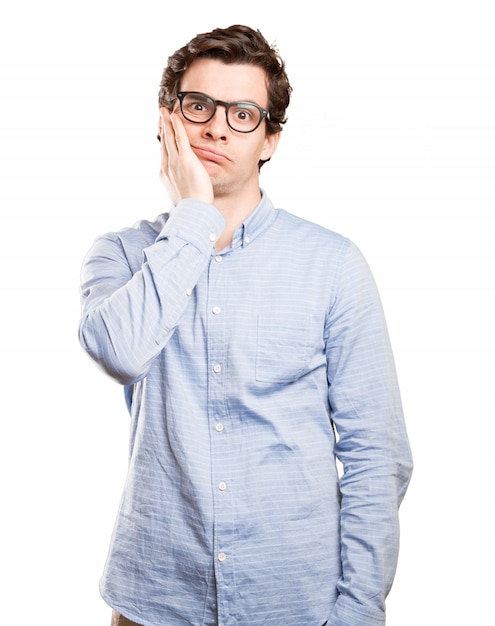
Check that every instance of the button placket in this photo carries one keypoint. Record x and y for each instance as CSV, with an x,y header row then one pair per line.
x,y
217,320
217,332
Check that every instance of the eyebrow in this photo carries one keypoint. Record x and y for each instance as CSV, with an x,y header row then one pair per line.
x,y
246,100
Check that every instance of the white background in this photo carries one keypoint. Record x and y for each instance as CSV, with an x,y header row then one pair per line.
x,y
390,141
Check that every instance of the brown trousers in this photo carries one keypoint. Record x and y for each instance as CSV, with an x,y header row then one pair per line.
x,y
120,620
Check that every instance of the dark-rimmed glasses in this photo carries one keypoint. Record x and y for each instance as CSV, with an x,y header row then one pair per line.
x,y
243,117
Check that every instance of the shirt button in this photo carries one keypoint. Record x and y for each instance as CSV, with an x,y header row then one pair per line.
x,y
217,368
222,486
216,310
188,292
222,556
247,239
212,236
218,258
219,427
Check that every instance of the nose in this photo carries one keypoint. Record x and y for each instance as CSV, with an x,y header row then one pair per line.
x,y
217,127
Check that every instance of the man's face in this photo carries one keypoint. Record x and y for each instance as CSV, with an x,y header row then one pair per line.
x,y
230,158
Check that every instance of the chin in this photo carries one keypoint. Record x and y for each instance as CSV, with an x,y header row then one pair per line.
x,y
219,183
220,190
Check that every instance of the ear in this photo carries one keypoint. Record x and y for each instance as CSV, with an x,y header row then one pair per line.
x,y
269,147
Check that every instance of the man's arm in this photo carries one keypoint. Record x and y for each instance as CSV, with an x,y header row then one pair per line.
x,y
372,445
128,314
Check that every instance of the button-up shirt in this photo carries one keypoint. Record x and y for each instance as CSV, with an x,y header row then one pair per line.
x,y
247,373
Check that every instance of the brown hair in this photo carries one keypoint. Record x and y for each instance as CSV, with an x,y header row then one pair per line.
x,y
235,44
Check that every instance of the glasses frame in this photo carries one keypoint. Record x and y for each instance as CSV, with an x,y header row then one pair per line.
x,y
264,113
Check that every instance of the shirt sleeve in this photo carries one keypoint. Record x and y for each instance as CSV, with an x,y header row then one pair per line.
x,y
127,315
372,444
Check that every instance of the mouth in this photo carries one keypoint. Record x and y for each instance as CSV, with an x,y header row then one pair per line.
x,y
207,154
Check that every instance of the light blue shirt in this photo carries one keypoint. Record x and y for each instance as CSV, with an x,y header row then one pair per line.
x,y
238,367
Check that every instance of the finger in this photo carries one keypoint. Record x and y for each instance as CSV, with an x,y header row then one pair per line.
x,y
169,139
166,175
161,122
159,125
181,138
168,145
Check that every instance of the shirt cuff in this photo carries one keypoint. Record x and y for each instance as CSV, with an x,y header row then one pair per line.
x,y
347,612
195,222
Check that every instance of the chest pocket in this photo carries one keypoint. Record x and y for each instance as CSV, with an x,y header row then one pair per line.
x,y
283,350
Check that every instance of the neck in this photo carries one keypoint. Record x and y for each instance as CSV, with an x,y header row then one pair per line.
x,y
235,210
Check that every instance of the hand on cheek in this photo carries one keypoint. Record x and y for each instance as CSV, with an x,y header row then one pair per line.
x,y
181,171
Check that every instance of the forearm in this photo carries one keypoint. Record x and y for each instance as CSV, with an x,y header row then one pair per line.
x,y
129,314
377,468
369,540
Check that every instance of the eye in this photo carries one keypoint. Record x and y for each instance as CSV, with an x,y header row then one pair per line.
x,y
244,113
197,106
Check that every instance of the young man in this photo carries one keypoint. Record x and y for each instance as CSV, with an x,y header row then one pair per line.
x,y
253,350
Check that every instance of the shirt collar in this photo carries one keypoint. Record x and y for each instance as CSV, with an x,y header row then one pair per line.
x,y
257,222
